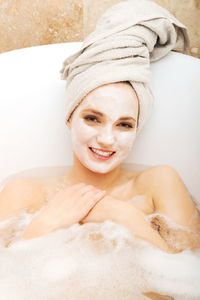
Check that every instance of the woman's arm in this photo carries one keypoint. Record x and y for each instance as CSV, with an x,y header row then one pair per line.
x,y
128,215
172,199
181,228
66,207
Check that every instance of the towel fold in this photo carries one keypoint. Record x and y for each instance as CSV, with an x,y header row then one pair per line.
x,y
127,37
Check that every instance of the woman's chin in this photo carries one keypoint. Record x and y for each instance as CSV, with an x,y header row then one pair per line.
x,y
101,169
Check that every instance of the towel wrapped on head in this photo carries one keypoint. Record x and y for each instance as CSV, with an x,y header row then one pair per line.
x,y
127,37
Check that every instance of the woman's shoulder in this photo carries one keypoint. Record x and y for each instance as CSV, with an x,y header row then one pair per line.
x,y
21,185
143,182
149,175
30,184
155,184
151,180
19,194
31,188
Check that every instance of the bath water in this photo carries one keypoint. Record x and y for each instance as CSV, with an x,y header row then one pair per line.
x,y
91,261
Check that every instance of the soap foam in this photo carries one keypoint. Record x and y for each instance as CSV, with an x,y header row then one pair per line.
x,y
92,261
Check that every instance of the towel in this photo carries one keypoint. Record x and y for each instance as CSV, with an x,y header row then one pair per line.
x,y
127,38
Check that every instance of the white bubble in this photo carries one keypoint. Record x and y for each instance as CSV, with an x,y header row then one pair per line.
x,y
92,261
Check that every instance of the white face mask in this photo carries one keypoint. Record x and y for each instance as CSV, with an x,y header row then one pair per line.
x,y
92,132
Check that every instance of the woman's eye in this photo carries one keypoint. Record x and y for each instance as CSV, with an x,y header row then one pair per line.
x,y
91,118
126,125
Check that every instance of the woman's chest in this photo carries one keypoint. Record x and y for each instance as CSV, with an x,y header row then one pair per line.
x,y
137,197
125,191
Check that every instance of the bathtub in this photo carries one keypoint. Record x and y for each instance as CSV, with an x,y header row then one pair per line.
x,y
34,141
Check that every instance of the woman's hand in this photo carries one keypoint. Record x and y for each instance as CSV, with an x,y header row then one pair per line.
x,y
67,207
103,210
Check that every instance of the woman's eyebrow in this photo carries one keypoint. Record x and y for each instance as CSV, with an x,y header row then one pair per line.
x,y
127,118
101,114
93,111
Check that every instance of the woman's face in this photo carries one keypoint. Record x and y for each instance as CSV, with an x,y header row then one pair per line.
x,y
103,126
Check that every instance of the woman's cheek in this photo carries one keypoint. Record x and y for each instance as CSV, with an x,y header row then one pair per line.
x,y
81,133
126,140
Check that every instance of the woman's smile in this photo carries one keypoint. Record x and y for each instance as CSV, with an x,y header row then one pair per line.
x,y
101,154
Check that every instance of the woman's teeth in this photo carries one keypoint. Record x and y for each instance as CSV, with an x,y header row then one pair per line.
x,y
101,152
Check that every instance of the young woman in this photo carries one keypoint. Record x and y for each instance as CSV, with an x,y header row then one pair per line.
x,y
103,129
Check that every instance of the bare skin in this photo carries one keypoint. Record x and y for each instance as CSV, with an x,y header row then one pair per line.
x,y
35,193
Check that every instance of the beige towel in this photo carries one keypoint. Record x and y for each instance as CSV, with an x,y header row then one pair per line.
x,y
127,37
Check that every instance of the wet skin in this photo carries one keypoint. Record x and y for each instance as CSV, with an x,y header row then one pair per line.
x,y
95,125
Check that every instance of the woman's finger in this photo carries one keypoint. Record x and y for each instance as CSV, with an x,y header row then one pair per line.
x,y
92,197
88,188
75,187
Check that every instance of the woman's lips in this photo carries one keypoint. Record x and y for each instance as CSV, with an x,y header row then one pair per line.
x,y
101,149
100,157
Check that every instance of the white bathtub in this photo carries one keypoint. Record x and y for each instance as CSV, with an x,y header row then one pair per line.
x,y
32,121
34,141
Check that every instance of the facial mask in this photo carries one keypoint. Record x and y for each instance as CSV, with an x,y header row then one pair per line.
x,y
92,133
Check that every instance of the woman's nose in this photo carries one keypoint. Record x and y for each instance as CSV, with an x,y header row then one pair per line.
x,y
106,137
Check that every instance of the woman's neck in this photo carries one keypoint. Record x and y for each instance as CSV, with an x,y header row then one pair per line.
x,y
79,173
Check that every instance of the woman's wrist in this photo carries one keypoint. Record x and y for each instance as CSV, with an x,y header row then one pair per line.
x,y
39,226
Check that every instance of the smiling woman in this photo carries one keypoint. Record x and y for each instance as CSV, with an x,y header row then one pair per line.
x,y
100,143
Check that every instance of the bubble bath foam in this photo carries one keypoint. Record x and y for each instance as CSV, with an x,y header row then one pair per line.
x,y
92,261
